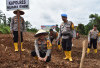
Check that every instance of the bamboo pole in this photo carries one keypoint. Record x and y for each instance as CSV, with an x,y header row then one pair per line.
x,y
19,36
83,54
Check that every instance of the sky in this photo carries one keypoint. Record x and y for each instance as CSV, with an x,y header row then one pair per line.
x,y
48,12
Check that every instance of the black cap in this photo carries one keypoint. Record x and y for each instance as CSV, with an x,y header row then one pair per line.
x,y
51,30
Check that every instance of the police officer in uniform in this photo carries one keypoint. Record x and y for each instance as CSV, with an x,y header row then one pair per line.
x,y
68,34
14,29
92,39
43,47
53,35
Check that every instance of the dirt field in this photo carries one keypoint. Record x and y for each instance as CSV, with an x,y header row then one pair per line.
x,y
11,59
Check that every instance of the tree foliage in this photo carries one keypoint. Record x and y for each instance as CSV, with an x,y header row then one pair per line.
x,y
94,20
34,30
81,29
4,29
28,24
2,17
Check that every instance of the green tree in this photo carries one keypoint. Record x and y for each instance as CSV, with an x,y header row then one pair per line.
x,y
81,29
94,19
34,30
88,27
2,17
28,24
9,21
4,29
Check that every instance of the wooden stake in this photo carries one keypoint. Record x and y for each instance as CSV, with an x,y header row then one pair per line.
x,y
19,35
83,54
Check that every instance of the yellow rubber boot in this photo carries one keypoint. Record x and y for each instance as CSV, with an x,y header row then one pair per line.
x,y
95,50
22,46
70,58
16,46
59,47
88,50
66,54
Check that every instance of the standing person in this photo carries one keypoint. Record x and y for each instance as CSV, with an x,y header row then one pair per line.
x,y
42,47
92,39
77,35
53,35
14,29
68,34
57,28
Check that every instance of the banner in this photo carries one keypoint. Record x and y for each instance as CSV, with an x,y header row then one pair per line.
x,y
48,27
17,4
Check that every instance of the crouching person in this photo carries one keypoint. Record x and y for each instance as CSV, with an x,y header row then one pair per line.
x,y
53,35
42,47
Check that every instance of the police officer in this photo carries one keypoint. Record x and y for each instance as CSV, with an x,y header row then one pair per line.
x,y
53,35
42,47
92,39
14,29
67,33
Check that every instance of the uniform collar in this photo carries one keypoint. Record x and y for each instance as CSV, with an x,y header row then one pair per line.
x,y
94,30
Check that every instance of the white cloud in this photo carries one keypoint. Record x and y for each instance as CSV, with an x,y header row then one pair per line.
x,y
47,12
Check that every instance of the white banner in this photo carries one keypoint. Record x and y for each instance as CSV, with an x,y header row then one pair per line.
x,y
17,4
48,27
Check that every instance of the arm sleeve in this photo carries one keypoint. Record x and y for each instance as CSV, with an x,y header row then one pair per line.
x,y
49,47
56,35
11,24
48,52
49,35
73,30
74,33
89,36
36,48
98,38
59,34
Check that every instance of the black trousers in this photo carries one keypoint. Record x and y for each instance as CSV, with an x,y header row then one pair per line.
x,y
67,44
59,42
15,38
93,42
42,54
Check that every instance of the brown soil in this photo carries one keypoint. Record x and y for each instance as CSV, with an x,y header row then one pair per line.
x,y
11,59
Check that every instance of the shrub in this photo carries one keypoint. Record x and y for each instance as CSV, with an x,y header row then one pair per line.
x,y
4,29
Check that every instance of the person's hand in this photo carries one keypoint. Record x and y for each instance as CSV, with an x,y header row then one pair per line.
x,y
98,43
11,32
57,40
44,59
41,59
88,42
73,39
